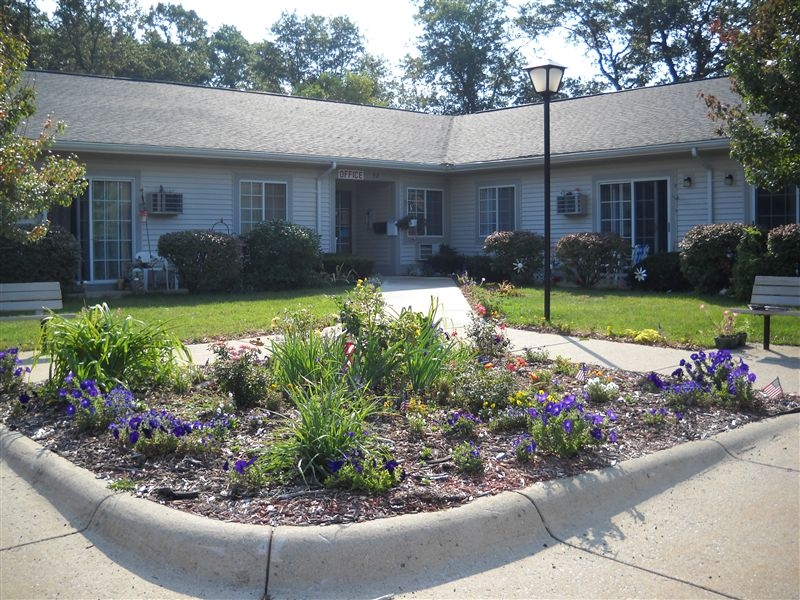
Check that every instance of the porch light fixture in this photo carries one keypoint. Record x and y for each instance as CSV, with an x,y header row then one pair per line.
x,y
687,181
546,79
729,179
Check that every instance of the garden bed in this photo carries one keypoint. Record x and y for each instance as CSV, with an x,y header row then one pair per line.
x,y
197,482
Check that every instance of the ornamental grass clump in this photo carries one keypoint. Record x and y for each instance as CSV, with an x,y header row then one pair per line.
x,y
111,349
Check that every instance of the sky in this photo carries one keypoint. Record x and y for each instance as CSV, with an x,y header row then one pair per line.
x,y
387,25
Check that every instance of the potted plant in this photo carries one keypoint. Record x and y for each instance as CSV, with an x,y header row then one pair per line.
x,y
725,336
413,222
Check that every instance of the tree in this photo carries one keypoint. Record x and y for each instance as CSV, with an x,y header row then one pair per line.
x,y
32,179
465,63
229,57
635,42
175,43
324,58
94,36
764,63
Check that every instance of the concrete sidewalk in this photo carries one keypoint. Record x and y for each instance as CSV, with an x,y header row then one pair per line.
x,y
712,518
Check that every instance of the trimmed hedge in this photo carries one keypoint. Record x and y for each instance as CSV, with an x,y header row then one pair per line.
x,y
516,255
281,255
708,253
55,257
663,274
344,264
446,261
783,244
206,261
589,256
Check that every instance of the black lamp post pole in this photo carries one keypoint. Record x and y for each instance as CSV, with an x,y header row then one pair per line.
x,y
547,261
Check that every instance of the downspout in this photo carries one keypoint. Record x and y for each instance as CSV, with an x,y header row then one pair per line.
x,y
319,195
709,186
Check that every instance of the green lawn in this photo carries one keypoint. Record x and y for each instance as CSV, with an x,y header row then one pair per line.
x,y
582,311
205,317
194,318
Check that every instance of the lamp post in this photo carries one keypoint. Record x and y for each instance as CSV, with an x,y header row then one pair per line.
x,y
546,80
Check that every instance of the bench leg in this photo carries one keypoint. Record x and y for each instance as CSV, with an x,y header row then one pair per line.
x,y
766,332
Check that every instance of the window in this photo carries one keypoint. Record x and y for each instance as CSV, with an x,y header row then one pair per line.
x,y
636,211
496,209
776,208
105,224
427,206
260,201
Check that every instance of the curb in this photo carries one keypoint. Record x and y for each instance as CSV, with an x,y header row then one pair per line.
x,y
393,555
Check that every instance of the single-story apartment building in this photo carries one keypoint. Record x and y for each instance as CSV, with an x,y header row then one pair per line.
x,y
645,163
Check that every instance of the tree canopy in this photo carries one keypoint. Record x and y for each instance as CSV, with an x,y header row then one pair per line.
x,y
764,63
32,179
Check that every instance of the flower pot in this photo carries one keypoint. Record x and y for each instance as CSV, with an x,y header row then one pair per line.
x,y
726,342
742,338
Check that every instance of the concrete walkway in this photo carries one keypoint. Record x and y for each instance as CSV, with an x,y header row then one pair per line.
x,y
713,518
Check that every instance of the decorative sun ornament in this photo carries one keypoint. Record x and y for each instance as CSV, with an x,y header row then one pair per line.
x,y
519,265
640,274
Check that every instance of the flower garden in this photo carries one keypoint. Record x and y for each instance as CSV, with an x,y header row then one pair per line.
x,y
382,415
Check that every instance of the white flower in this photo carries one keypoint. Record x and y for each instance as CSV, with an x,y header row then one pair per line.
x,y
640,274
519,265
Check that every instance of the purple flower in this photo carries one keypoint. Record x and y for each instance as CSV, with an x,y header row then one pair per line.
x,y
390,465
71,410
133,437
24,398
568,425
612,437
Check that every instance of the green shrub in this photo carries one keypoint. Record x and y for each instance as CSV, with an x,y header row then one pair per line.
x,y
206,261
111,349
55,257
783,244
467,458
588,257
282,255
243,374
348,265
446,261
482,267
708,254
663,274
516,255
751,260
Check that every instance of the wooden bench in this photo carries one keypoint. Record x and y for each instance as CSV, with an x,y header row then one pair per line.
x,y
773,296
36,296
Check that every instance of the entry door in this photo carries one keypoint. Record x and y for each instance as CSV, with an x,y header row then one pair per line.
x,y
106,229
344,222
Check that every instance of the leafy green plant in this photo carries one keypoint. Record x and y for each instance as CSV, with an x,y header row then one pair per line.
x,y
525,448
488,340
588,257
476,387
460,424
111,349
708,254
783,244
467,458
661,272
11,373
600,391
54,257
516,255
564,428
122,485
373,474
243,374
301,359
282,255
328,429
206,261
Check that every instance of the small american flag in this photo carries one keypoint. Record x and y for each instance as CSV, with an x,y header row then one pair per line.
x,y
773,388
581,376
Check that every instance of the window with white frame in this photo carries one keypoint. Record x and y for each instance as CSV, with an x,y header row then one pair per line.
x,y
260,201
427,207
637,211
496,209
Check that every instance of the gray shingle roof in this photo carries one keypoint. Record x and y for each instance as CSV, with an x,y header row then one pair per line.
x,y
132,115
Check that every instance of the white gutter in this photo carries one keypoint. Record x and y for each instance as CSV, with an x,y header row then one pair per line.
x,y
709,185
319,195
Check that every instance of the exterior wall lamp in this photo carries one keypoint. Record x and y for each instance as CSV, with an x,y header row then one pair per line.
x,y
729,179
546,79
687,181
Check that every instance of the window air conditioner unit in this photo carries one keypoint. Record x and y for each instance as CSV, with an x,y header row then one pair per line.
x,y
569,203
165,203
425,251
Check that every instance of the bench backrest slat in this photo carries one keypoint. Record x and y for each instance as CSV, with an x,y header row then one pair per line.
x,y
30,296
776,291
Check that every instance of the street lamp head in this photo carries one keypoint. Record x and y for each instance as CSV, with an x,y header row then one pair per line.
x,y
546,77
